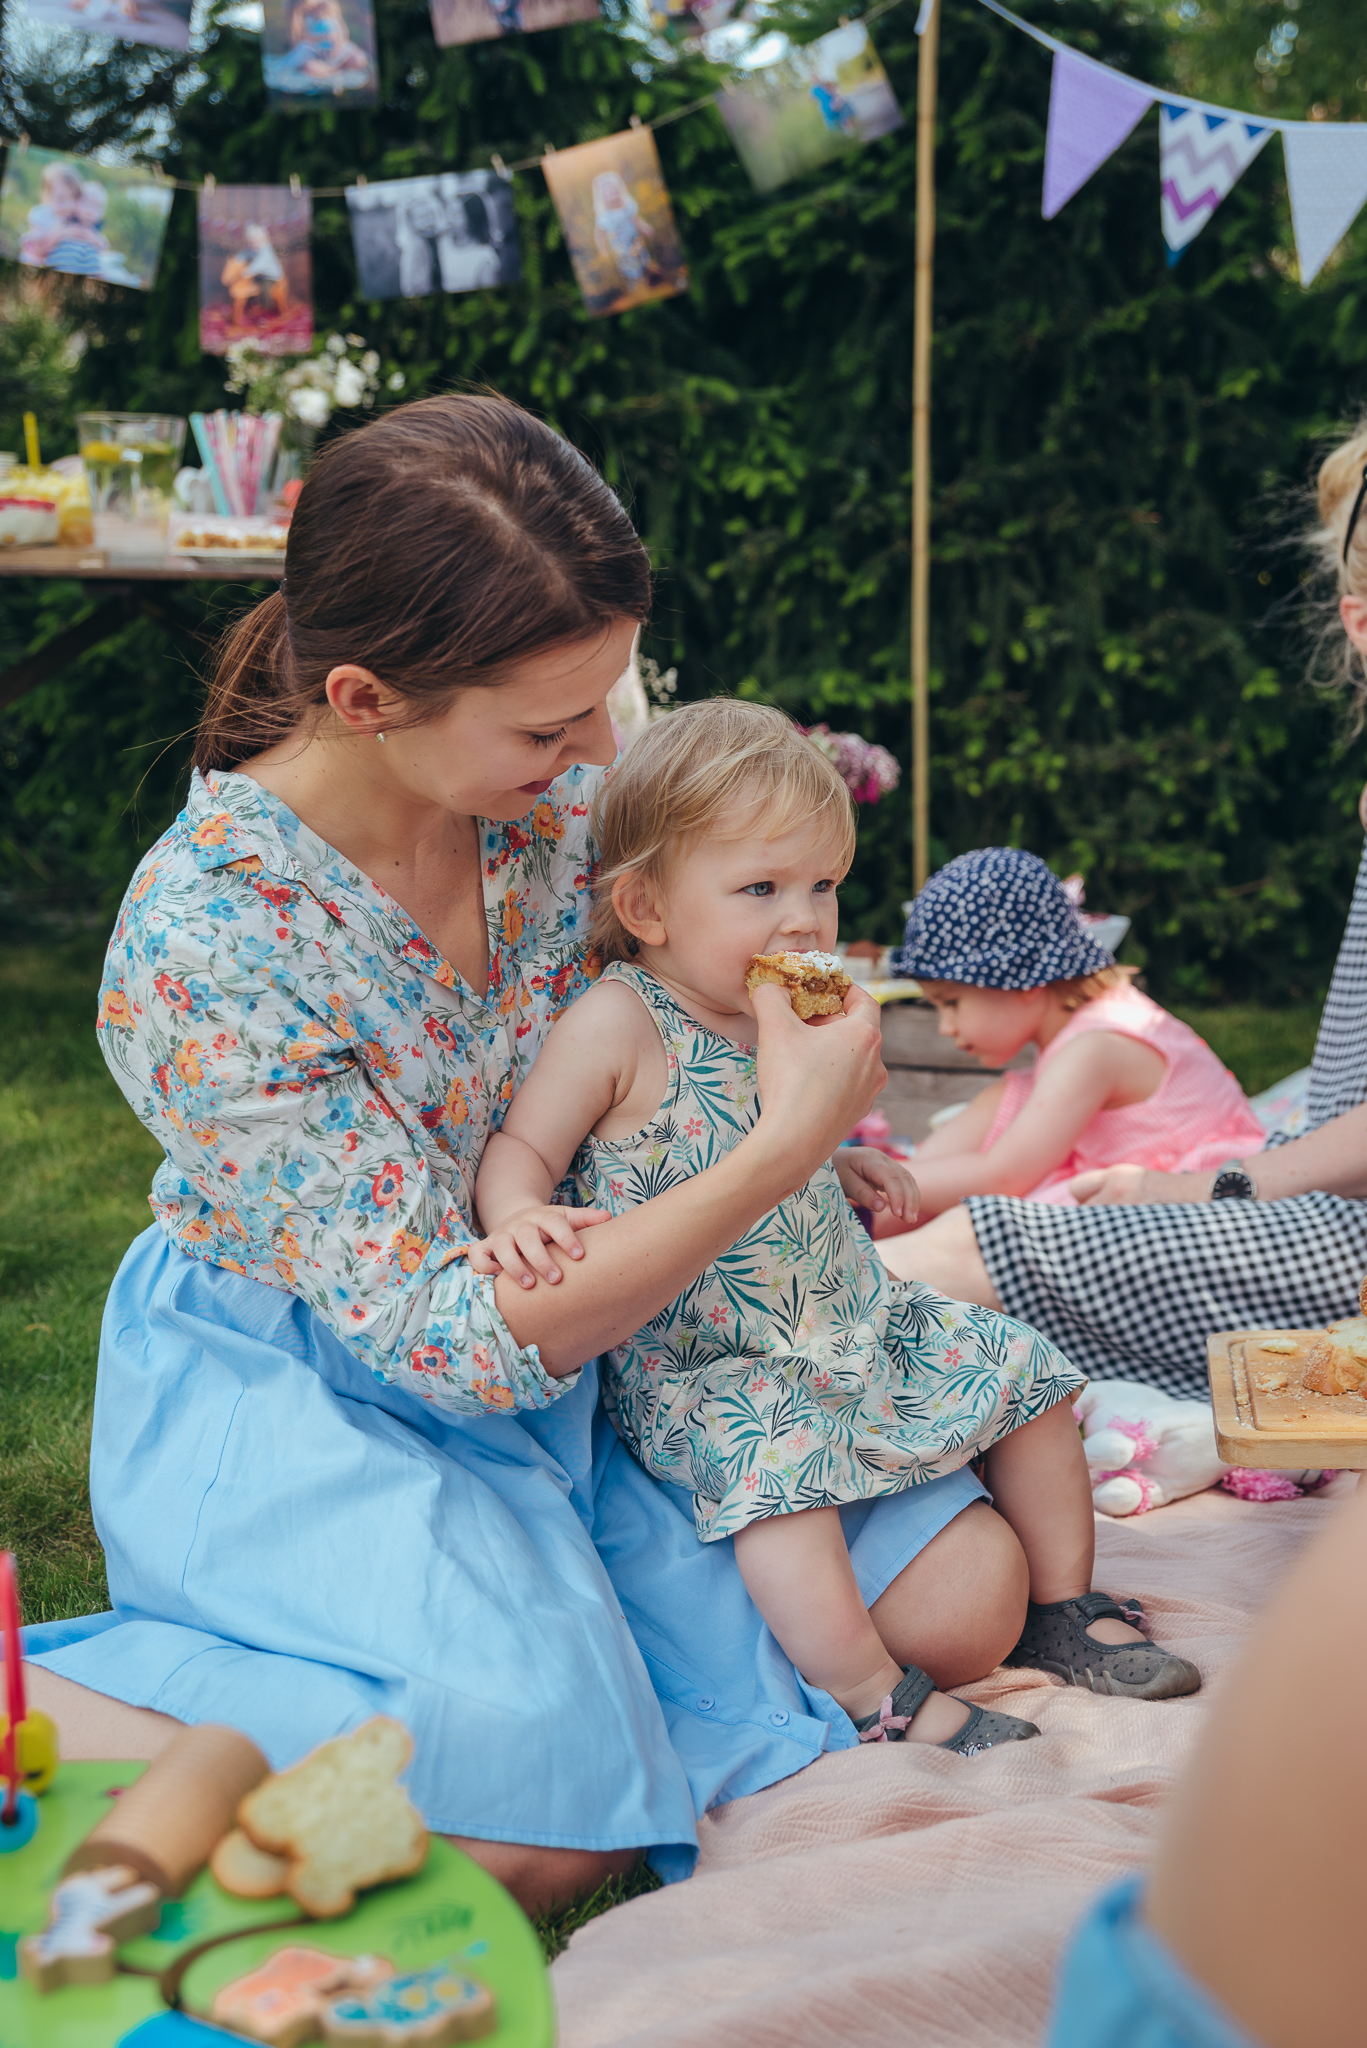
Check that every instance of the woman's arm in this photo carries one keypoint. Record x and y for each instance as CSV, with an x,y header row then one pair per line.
x,y
816,1081
1332,1159
1085,1078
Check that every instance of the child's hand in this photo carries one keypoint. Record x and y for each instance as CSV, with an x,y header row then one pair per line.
x,y
872,1180
518,1247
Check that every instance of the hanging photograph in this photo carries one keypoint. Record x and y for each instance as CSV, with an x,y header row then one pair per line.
x,y
163,22
453,232
814,104
87,219
255,274
618,222
314,50
478,21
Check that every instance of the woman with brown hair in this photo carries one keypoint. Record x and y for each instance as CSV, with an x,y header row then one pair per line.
x,y
335,1471
1134,1279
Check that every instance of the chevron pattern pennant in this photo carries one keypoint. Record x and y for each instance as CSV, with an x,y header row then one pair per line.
x,y
1201,159
1091,111
1326,177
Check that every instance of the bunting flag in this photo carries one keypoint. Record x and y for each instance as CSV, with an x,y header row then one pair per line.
x,y
1202,156
1326,178
1091,111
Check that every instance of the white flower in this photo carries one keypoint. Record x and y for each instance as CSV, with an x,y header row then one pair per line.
x,y
370,362
396,381
310,406
348,386
355,341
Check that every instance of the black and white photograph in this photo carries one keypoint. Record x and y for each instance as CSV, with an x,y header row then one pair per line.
x,y
453,232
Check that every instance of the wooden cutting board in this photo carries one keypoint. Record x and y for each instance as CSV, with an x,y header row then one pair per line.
x,y
1260,1423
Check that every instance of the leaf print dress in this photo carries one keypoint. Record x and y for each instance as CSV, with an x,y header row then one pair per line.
x,y
795,1372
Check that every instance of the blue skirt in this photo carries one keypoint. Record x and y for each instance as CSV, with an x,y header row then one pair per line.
x,y
293,1546
1119,1986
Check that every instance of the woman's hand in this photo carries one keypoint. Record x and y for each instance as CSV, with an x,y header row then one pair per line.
x,y
519,1247
1106,1185
873,1180
816,1080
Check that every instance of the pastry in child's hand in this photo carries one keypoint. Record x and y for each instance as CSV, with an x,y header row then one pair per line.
x,y
340,1818
815,983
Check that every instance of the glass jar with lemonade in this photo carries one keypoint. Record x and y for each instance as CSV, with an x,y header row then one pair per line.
x,y
131,459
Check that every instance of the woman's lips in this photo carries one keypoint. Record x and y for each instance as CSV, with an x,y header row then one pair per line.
x,y
535,788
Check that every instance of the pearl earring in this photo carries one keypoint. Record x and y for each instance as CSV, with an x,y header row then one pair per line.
x,y
380,737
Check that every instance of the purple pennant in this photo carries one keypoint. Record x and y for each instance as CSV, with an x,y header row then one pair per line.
x,y
1091,111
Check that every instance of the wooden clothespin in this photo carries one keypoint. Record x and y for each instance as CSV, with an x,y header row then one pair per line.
x,y
294,184
549,150
360,177
635,121
499,165
210,182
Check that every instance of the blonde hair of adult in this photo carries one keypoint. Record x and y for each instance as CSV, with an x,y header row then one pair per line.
x,y
689,768
1341,476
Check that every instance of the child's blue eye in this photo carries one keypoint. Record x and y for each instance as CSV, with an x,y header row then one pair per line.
x,y
758,889
824,888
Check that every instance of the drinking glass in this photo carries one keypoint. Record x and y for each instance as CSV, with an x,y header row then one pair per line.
x,y
131,459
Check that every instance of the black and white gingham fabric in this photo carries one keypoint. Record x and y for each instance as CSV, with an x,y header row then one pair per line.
x,y
997,918
1131,1292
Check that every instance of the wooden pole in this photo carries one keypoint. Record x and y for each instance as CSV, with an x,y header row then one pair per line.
x,y
920,446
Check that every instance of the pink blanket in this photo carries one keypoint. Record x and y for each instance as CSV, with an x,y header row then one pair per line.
x,y
898,1893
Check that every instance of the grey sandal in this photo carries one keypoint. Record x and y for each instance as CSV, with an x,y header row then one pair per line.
x,y
1055,1639
982,1730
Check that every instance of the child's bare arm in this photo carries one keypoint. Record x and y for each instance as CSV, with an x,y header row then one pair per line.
x,y
573,1083
967,1131
1101,1070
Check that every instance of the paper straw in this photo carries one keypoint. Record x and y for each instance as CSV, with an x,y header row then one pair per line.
x,y
218,435
200,428
272,422
35,460
250,426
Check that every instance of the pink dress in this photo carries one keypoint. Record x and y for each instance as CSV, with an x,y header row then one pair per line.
x,y
1196,1118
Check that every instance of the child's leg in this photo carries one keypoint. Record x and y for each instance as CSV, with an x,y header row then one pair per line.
x,y
797,1571
1040,1485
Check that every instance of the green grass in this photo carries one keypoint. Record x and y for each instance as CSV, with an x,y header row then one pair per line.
x,y
75,1166
1260,1046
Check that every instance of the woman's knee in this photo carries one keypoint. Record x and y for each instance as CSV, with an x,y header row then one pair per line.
x,y
959,1606
543,1879
943,1254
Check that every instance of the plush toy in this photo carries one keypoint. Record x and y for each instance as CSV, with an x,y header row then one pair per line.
x,y
1145,1449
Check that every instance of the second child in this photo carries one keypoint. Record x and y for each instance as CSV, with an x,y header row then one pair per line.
x,y
795,1375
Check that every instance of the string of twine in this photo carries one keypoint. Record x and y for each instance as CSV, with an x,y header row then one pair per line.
x,y
526,163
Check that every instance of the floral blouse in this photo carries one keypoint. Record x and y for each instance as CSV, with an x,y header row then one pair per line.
x,y
324,1082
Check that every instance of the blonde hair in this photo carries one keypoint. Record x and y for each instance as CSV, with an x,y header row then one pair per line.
x,y
1336,487
1076,990
686,769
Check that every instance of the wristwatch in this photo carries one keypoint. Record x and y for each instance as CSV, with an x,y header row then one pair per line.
x,y
1234,1184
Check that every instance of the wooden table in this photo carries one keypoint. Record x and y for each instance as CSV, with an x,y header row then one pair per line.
x,y
125,585
927,1072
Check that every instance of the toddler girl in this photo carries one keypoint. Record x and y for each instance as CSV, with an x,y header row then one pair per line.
x,y
1000,950
795,1373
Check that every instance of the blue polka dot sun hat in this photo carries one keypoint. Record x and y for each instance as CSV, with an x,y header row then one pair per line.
x,y
997,918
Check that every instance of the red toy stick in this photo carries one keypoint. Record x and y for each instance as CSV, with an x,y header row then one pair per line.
x,y
14,1683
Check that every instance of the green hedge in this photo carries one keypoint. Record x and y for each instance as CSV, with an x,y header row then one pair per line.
x,y
1112,439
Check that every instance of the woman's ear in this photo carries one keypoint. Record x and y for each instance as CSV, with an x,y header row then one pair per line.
x,y
638,908
1353,612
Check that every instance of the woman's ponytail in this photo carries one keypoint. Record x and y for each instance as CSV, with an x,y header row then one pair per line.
x,y
250,703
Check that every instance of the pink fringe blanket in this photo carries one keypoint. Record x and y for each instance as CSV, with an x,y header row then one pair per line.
x,y
897,1893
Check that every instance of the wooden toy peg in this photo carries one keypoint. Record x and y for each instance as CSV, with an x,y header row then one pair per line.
x,y
165,1825
426,2009
88,1915
282,2002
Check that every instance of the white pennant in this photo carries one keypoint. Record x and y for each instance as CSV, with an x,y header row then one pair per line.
x,y
1326,177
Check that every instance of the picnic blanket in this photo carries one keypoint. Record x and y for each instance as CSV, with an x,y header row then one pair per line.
x,y
897,1892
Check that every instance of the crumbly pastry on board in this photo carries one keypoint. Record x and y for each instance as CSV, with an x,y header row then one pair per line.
x,y
245,1870
815,983
340,1818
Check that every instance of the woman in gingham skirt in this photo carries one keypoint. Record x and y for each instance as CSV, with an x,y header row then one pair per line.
x,y
1130,1283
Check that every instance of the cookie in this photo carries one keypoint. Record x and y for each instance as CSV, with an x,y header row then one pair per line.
x,y
245,1870
815,983
425,2009
340,1818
